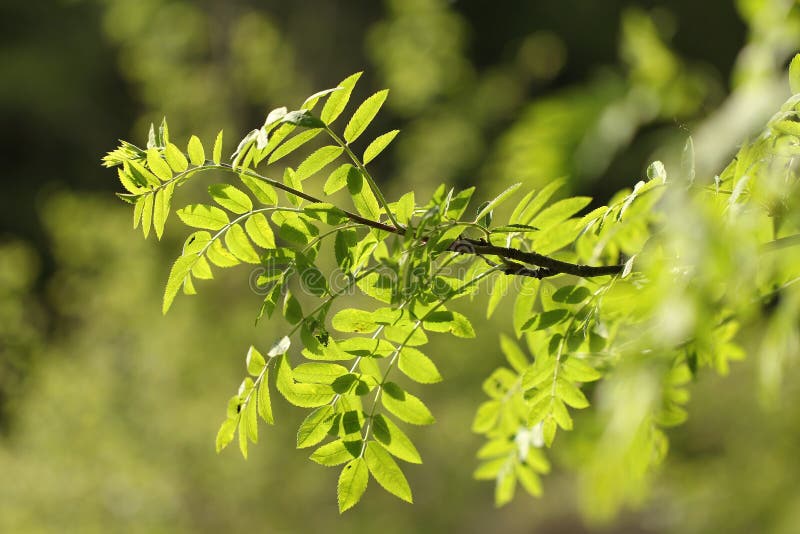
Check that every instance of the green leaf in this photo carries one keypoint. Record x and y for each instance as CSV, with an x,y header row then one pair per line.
x,y
292,311
499,290
327,213
504,487
175,158
448,321
489,470
219,256
559,212
394,440
513,354
378,145
311,102
315,427
243,437
332,454
255,361
364,115
264,402
523,305
217,154
180,270
458,204
526,214
529,480
129,183
571,294
197,154
492,204
363,198
318,160
352,483
142,175
405,406
549,430
570,394
304,118
225,434
404,208
318,373
292,144
203,216
260,231
337,101
794,74
337,179
263,191
486,416
386,471
237,242
574,369
418,367
157,165
161,208
302,395
147,215
250,419
352,320
231,198
138,210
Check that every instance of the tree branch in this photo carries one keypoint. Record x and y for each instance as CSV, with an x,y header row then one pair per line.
x,y
513,259
546,266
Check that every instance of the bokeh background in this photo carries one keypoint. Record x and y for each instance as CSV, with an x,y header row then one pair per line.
x,y
108,411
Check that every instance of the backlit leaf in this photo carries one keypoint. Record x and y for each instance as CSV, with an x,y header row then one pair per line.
x,y
352,483
363,115
378,145
386,471
197,155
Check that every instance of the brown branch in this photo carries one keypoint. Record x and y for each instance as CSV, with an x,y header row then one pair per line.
x,y
513,259
546,266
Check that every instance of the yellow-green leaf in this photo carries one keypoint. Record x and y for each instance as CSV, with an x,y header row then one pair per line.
x,y
161,208
180,270
394,440
231,198
260,231
217,156
352,483
337,101
386,471
378,145
197,154
264,192
363,115
405,406
418,367
157,165
315,427
317,161
237,242
203,216
175,158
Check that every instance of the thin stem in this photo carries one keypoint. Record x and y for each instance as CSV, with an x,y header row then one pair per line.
x,y
367,176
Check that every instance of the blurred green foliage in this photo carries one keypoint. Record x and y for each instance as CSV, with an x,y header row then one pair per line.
x,y
108,412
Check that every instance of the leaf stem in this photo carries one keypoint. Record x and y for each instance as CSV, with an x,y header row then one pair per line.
x,y
371,181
